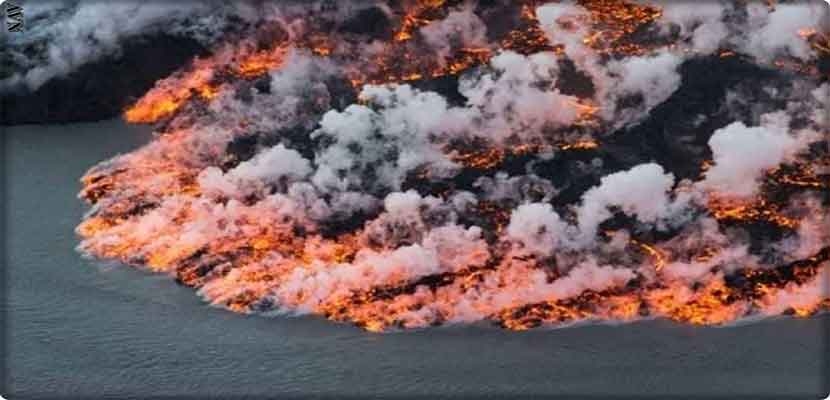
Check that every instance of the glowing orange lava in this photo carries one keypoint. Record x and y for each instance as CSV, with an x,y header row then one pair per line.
x,y
176,205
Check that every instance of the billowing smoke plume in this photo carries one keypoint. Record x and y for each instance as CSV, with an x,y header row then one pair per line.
x,y
463,161
742,154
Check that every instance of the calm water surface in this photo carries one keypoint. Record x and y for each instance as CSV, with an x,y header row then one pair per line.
x,y
92,329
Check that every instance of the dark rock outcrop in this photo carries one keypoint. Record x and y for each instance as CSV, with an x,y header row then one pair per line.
x,y
103,88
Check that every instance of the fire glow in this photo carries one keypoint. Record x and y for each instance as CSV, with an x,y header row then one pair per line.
x,y
437,224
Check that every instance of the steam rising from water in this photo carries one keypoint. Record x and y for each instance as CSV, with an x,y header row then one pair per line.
x,y
309,167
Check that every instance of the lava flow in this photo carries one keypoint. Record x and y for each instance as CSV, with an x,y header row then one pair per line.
x,y
525,163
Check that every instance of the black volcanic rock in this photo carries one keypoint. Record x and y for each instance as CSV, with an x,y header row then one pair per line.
x,y
103,88
671,135
371,21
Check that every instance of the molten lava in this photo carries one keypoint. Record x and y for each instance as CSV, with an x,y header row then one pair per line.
x,y
303,204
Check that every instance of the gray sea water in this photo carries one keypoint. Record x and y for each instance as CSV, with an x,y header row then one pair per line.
x,y
90,329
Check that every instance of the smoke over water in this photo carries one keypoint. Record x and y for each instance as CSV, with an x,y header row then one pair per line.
x,y
424,162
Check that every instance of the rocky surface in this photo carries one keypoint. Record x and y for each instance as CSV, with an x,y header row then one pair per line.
x,y
101,89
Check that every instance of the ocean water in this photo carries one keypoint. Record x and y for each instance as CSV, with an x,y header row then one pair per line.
x,y
85,328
